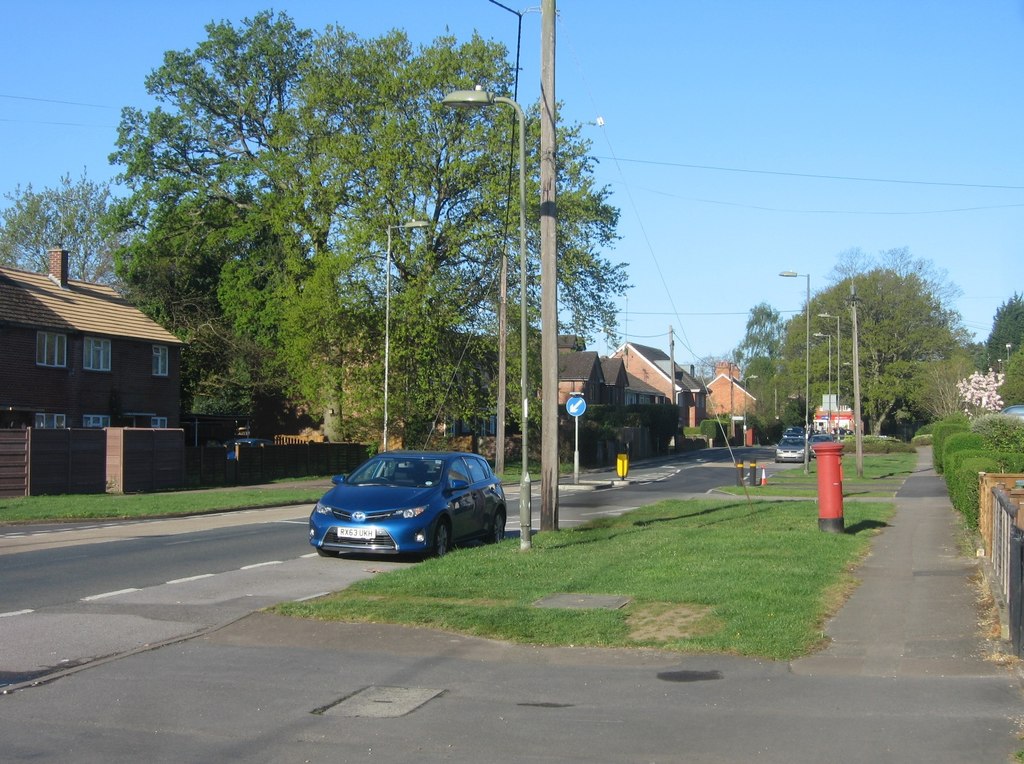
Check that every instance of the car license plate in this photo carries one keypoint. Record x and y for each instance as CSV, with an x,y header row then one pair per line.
x,y
357,533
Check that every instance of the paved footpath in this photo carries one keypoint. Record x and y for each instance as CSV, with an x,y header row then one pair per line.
x,y
906,679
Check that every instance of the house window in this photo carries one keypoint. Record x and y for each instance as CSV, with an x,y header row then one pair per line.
x,y
159,361
51,349
158,421
96,420
50,421
96,356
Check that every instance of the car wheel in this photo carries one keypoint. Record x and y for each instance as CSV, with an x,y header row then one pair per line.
x,y
442,539
327,553
497,534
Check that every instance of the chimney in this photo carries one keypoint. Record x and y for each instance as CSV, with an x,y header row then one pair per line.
x,y
59,267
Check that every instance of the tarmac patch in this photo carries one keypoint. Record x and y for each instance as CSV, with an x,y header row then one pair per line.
x,y
380,702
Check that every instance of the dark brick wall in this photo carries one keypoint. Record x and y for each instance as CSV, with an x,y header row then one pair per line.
x,y
73,391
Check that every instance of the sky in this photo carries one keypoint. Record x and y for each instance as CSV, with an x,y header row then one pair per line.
x,y
738,138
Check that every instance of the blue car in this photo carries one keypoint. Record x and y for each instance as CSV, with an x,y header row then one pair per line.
x,y
410,502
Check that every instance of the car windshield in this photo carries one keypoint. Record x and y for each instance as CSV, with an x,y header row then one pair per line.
x,y
407,472
791,443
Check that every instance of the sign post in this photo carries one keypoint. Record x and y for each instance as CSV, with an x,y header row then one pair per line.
x,y
576,405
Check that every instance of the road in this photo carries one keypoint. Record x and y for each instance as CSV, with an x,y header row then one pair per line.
x,y
233,685
76,593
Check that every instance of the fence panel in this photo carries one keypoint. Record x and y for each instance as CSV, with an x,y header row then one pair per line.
x,y
13,463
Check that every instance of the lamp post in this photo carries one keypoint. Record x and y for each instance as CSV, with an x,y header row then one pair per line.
x,y
839,393
820,334
745,380
807,367
387,316
479,98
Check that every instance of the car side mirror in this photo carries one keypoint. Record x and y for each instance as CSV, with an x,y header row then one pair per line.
x,y
338,479
455,484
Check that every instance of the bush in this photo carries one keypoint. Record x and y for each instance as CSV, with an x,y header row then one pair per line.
x,y
872,444
941,431
1002,433
963,441
962,468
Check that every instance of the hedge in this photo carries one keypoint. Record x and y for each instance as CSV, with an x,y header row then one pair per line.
x,y
940,432
962,468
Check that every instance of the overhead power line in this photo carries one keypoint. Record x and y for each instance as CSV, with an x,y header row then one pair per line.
x,y
815,176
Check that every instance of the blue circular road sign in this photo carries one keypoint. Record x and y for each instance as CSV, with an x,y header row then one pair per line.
x,y
576,405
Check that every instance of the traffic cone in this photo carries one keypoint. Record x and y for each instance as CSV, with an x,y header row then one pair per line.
x,y
764,476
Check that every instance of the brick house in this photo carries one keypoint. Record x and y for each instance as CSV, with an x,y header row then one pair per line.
x,y
77,354
655,369
728,395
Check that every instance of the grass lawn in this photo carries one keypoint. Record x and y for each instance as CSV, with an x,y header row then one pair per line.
x,y
123,506
751,578
883,475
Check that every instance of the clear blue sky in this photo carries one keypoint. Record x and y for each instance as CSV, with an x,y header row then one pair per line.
x,y
737,136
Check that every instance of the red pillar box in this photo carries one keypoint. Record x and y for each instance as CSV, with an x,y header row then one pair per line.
x,y
830,486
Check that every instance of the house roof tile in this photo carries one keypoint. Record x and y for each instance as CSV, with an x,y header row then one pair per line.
x,y
36,300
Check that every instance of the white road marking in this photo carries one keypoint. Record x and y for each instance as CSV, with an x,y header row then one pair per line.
x,y
16,612
190,578
261,565
107,594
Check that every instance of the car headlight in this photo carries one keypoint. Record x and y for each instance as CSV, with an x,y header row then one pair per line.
x,y
322,509
409,513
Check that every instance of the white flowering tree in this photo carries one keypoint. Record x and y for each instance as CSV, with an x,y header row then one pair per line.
x,y
980,393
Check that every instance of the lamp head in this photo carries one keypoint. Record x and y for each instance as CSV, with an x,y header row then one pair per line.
x,y
468,98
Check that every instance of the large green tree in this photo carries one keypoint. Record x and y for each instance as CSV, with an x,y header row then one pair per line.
x,y
904,329
72,216
264,186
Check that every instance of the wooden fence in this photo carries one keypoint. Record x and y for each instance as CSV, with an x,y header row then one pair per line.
x,y
36,462
1001,524
210,465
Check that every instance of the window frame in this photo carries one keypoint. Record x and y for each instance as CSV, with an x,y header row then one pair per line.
x,y
44,421
161,361
51,349
89,353
155,422
89,421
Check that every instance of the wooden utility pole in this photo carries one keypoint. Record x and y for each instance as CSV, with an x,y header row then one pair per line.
x,y
858,429
548,276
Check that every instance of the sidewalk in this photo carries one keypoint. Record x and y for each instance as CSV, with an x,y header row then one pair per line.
x,y
916,611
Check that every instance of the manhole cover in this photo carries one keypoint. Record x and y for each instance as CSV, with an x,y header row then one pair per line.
x,y
602,601
381,702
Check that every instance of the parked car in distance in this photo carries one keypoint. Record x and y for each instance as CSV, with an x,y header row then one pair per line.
x,y
410,502
790,450
1015,410
818,437
247,442
244,443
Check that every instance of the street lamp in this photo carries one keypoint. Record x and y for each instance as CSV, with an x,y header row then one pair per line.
x,y
807,368
819,334
839,393
478,98
387,316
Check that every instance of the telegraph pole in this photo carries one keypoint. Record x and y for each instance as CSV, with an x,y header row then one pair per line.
x,y
857,428
548,276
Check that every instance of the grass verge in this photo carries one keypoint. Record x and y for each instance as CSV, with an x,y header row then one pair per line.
x,y
755,579
169,504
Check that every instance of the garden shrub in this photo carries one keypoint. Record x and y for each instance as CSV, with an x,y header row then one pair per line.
x,y
961,476
941,431
1003,433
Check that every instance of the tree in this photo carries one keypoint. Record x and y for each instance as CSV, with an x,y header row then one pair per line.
x,y
903,328
1007,329
936,393
265,184
71,216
